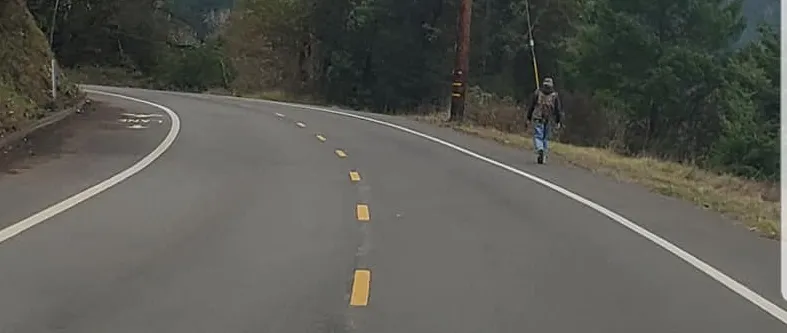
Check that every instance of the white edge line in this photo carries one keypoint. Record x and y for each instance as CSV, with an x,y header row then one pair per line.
x,y
709,270
783,156
704,267
72,201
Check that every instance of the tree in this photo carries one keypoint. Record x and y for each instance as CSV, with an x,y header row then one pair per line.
x,y
749,142
104,32
657,63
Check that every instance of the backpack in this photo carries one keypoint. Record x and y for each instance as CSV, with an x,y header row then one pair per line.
x,y
545,105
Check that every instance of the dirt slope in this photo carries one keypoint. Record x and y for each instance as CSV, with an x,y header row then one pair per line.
x,y
24,70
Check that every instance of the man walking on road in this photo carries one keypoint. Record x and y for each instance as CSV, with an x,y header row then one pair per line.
x,y
544,105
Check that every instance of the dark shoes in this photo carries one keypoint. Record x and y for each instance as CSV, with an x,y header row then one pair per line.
x,y
540,158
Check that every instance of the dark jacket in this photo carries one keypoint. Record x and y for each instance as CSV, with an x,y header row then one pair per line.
x,y
558,110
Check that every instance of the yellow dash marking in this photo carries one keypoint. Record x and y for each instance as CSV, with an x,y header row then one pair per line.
x,y
362,212
456,95
457,84
355,176
321,138
341,153
300,124
360,292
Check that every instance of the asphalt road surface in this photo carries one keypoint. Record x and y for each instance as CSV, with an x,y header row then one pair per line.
x,y
248,216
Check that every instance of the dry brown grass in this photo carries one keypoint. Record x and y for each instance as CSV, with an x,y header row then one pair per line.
x,y
279,95
754,203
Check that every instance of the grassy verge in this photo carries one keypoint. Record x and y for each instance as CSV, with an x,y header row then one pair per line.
x,y
754,203
283,96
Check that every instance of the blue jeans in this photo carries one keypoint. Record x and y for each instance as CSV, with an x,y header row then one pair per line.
x,y
540,134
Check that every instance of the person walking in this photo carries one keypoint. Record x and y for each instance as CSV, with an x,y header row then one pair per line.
x,y
545,104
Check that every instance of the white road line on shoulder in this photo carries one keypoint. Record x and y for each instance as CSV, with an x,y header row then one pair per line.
x,y
737,287
72,201
783,159
700,265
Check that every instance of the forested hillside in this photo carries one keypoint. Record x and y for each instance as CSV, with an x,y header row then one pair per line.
x,y
660,78
164,44
25,90
201,15
674,79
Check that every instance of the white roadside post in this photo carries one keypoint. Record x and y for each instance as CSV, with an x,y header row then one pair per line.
x,y
54,78
53,62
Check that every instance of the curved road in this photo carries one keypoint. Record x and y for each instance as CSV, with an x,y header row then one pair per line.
x,y
250,216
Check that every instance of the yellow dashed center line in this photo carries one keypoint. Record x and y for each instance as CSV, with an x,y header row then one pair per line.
x,y
360,292
300,124
362,212
341,153
355,176
321,138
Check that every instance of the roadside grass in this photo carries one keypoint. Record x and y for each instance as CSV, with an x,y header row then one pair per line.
x,y
282,96
754,203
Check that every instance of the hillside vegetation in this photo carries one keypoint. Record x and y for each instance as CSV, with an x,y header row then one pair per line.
x,y
159,44
693,84
674,81
24,70
642,77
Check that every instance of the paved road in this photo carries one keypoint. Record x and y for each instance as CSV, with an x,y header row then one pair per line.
x,y
254,221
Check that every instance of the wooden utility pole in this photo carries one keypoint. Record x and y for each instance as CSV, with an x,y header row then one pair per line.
x,y
462,63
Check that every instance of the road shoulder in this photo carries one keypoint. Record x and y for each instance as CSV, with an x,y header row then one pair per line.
x,y
75,153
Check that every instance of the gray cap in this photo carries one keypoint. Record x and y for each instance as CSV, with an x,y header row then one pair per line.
x,y
548,82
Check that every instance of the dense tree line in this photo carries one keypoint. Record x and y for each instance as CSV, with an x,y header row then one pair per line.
x,y
688,80
644,77
671,84
166,40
